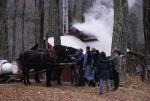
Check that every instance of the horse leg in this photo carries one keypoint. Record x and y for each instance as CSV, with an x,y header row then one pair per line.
x,y
27,76
59,71
72,69
36,78
24,76
48,77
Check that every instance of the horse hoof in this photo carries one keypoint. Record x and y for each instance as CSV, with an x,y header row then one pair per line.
x,y
59,83
39,82
25,83
29,83
48,85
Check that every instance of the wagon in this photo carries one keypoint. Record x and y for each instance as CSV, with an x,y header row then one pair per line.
x,y
9,72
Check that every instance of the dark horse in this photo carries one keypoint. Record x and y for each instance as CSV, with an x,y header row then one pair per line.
x,y
40,60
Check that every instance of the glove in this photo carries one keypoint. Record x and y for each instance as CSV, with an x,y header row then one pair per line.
x,y
73,58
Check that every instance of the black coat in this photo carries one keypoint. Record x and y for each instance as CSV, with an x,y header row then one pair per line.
x,y
103,69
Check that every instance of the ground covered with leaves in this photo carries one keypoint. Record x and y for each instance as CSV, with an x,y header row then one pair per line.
x,y
132,90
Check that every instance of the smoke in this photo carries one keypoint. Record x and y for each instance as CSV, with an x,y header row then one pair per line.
x,y
99,22
131,3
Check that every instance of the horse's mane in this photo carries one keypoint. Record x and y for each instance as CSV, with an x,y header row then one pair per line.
x,y
35,47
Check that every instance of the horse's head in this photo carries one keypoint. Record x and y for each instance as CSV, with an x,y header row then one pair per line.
x,y
63,52
69,51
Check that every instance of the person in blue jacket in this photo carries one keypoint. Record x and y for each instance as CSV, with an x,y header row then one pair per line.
x,y
79,64
88,67
77,74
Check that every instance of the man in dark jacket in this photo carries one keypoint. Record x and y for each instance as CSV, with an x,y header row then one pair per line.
x,y
116,68
79,61
102,66
95,56
77,73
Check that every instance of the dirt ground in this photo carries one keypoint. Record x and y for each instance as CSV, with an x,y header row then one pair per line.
x,y
132,90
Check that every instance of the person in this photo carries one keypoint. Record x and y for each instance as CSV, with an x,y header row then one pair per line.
x,y
79,62
116,68
52,53
88,67
103,67
95,56
77,70
123,68
73,76
148,68
53,58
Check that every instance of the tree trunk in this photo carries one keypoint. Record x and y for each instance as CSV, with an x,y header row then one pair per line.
x,y
146,11
14,29
41,38
23,16
120,30
54,23
3,30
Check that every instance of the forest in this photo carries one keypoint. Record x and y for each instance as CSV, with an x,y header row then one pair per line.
x,y
106,25
26,22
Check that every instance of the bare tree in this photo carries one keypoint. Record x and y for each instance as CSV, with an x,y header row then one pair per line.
x,y
54,21
3,30
120,30
146,8
23,18
14,29
41,10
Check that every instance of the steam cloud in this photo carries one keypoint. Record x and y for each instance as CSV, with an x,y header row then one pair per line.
x,y
131,3
99,22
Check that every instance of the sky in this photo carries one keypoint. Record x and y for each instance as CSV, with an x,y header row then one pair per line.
x,y
131,3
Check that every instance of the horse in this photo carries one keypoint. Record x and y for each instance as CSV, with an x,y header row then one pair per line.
x,y
40,60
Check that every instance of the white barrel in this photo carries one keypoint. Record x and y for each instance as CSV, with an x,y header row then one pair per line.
x,y
148,67
6,68
2,61
14,68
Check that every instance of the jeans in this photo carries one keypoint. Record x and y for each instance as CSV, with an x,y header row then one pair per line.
x,y
89,73
101,85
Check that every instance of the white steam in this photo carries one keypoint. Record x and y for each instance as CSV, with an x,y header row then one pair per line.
x,y
99,22
131,3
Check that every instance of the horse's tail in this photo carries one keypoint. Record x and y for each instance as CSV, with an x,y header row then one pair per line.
x,y
19,60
